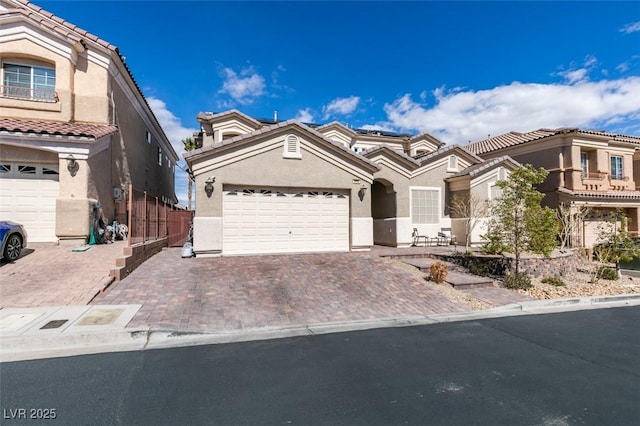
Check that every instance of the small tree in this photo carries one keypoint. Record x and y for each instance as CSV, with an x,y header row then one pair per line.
x,y
470,209
189,145
569,218
614,243
518,217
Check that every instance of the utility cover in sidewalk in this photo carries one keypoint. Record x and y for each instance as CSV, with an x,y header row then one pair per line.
x,y
101,317
53,324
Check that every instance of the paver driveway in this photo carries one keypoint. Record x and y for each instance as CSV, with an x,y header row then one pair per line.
x,y
230,293
47,274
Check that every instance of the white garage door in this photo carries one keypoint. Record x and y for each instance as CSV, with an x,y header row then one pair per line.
x,y
28,195
278,220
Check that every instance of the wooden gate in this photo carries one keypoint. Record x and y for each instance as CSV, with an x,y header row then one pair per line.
x,y
179,223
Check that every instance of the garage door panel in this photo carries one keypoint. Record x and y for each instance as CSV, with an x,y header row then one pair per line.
x,y
284,221
30,199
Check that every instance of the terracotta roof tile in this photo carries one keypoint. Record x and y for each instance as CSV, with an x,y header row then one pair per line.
x,y
95,131
514,138
626,195
477,169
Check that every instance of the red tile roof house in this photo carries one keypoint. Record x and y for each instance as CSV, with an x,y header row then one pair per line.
x,y
268,186
597,169
75,129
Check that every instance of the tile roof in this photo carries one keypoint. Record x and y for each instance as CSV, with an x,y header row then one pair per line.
x,y
387,148
208,116
515,138
267,129
477,169
95,131
626,195
441,151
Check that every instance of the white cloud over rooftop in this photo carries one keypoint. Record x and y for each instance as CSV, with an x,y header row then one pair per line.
x,y
243,87
341,106
460,116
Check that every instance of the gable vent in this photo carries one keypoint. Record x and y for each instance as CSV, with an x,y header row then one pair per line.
x,y
292,147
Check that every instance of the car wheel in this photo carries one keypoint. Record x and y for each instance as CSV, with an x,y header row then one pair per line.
x,y
13,247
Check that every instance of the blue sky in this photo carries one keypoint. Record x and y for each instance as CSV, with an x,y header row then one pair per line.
x,y
458,70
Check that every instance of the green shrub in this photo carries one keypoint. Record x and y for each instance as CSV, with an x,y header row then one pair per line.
x,y
555,280
492,244
519,281
607,273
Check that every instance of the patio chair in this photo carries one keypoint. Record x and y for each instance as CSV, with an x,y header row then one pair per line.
x,y
417,237
445,237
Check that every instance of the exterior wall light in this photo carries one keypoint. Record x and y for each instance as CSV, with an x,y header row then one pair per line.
x,y
72,165
208,186
362,191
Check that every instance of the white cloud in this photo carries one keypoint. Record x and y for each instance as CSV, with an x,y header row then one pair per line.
x,y
244,87
633,27
176,132
462,116
304,116
341,106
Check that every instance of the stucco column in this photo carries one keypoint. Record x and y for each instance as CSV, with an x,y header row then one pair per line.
x,y
73,207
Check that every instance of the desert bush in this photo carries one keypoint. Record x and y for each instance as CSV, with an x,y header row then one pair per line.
x,y
438,271
607,273
517,281
555,280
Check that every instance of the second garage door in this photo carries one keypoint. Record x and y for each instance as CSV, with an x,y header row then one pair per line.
x,y
28,194
279,220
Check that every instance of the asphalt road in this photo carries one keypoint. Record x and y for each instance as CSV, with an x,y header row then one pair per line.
x,y
557,369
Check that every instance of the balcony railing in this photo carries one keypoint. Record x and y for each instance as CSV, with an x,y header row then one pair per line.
x,y
592,176
619,177
27,93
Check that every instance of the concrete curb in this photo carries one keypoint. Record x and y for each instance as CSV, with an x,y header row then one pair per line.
x,y
27,347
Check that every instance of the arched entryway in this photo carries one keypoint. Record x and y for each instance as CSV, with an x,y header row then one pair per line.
x,y
384,213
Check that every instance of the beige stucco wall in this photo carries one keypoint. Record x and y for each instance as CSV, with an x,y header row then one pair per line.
x,y
17,153
26,51
134,160
271,169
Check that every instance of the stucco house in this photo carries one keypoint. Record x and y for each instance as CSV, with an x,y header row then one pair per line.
x,y
264,186
597,169
75,128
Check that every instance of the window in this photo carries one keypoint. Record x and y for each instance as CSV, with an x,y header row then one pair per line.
x,y
29,82
453,163
425,206
291,147
147,136
616,167
495,191
584,163
159,156
502,173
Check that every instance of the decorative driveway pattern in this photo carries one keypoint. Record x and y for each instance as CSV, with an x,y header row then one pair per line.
x,y
47,274
231,293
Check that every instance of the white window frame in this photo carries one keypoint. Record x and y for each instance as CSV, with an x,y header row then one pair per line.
x,y
438,216
32,83
159,156
452,164
491,185
147,136
291,147
584,166
616,176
